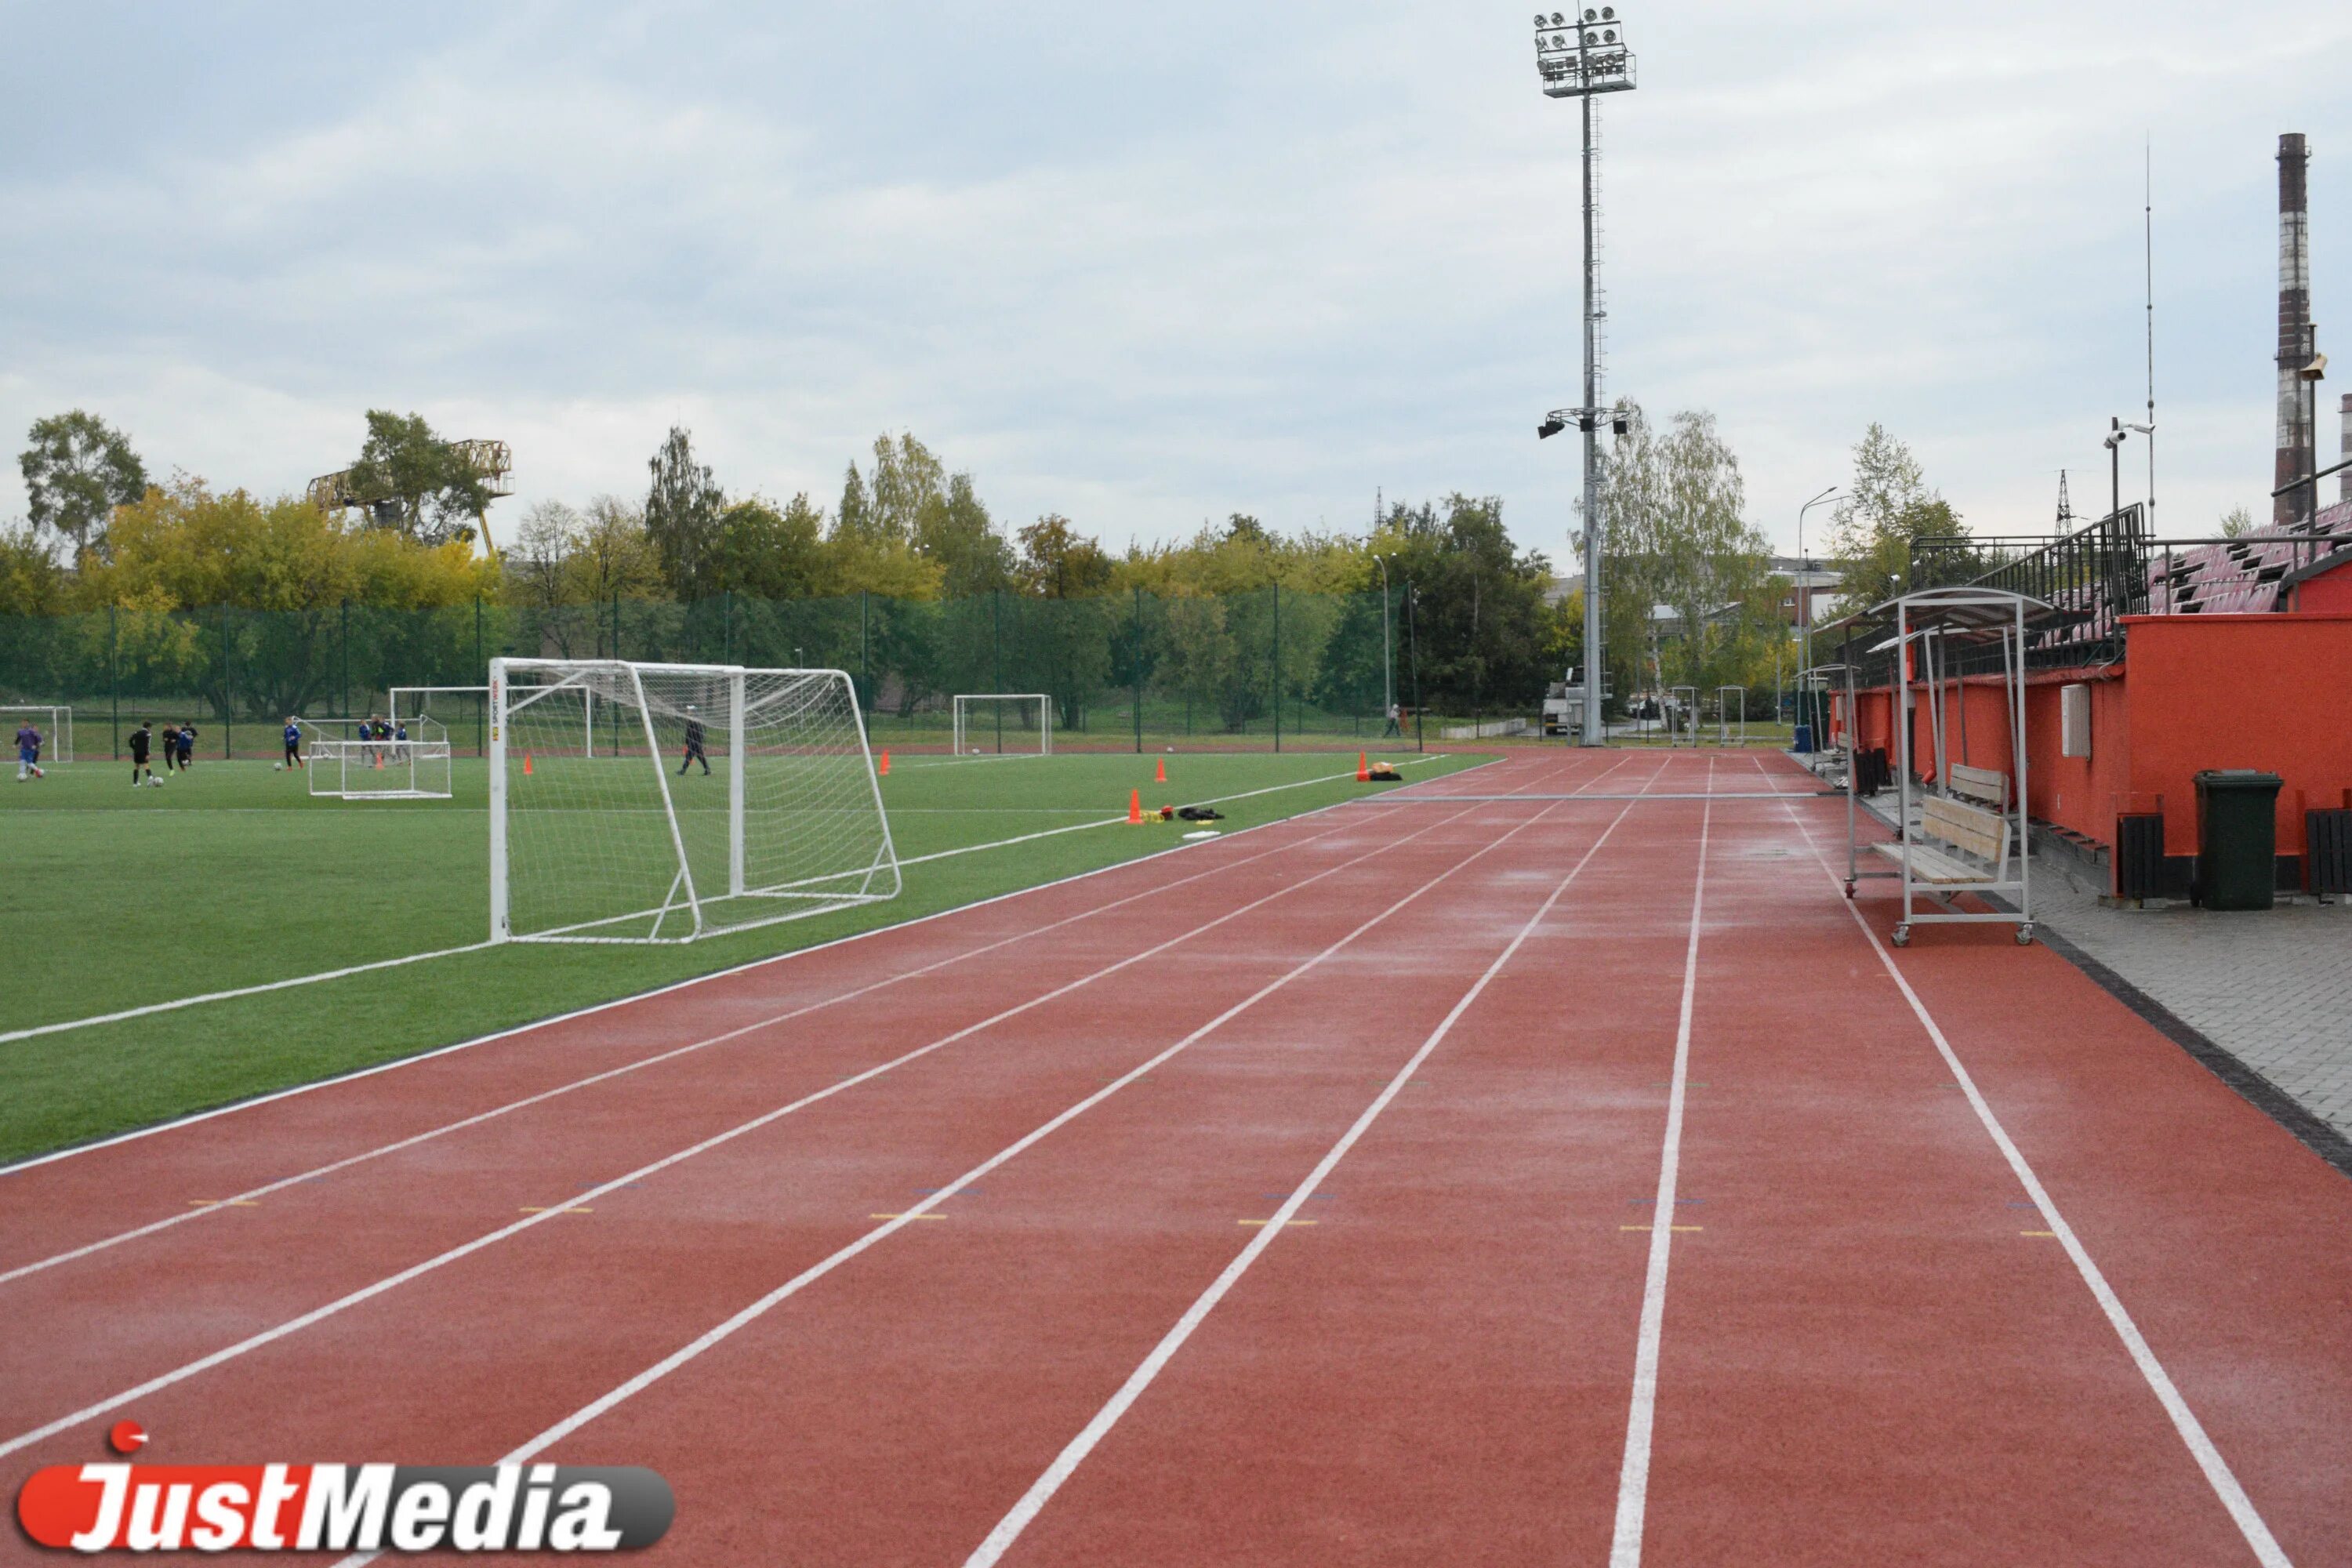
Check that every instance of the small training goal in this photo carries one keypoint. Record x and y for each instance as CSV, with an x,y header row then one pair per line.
x,y
1003,724
347,761
56,725
713,798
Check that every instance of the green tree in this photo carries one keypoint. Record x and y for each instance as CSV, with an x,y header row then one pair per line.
x,y
1888,509
1682,573
2237,523
77,470
1058,562
1478,604
770,554
413,482
614,558
956,531
31,581
682,509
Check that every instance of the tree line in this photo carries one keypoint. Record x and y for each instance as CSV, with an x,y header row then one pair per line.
x,y
1693,598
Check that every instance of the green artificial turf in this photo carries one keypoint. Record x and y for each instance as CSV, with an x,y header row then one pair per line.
x,y
233,874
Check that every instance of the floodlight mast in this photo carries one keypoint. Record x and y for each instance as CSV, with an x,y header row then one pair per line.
x,y
1578,56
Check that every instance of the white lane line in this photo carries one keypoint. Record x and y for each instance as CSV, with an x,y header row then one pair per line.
x,y
595,1007
807,1277
464,1250
324,975
1633,1472
2218,1474
177,1002
1041,1491
252,1194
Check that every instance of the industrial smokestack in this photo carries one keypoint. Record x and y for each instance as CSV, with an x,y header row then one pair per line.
x,y
2295,347
2344,450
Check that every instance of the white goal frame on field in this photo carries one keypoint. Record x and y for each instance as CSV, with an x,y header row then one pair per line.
x,y
966,727
54,722
609,844
346,765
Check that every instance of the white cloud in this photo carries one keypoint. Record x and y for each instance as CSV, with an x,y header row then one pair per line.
x,y
1144,273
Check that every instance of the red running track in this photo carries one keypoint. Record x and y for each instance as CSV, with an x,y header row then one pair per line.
x,y
1291,1199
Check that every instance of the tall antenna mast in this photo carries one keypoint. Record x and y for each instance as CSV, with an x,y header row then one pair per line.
x,y
2147,221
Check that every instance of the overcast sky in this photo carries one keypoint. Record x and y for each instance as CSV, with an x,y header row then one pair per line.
x,y
1148,265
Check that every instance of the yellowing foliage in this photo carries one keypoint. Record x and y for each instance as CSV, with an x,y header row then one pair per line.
x,y
185,546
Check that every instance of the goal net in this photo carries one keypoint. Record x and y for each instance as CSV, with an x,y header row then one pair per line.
x,y
56,725
345,761
713,798
466,711
1003,724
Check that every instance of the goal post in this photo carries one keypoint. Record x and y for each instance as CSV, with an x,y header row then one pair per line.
x,y
1004,723
344,762
715,798
54,722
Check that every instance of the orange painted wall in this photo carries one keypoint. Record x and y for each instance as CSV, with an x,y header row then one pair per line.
x,y
2270,691
2330,592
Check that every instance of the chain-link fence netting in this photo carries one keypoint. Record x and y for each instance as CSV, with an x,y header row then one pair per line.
x,y
1263,670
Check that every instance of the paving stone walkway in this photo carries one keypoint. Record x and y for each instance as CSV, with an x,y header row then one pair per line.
x,y
2273,988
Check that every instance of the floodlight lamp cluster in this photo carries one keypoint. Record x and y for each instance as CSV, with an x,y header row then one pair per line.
x,y
1559,419
1576,55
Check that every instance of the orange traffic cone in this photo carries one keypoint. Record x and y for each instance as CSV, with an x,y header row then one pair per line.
x,y
526,764
1160,776
1135,807
1363,769
884,768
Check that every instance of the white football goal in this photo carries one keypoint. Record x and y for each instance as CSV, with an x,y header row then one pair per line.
x,y
347,762
714,798
56,725
1003,724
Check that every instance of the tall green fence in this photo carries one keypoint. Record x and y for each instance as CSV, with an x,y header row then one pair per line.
x,y
1269,670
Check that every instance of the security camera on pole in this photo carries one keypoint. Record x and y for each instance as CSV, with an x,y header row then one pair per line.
x,y
1577,57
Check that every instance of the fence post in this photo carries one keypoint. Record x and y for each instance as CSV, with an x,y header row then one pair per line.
x,y
343,701
229,698
996,640
482,665
114,682
1136,669
1277,667
865,642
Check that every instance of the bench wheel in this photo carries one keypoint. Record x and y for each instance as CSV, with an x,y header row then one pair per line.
x,y
2025,934
1903,935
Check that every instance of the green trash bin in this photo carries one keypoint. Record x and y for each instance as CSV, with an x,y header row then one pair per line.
x,y
2236,837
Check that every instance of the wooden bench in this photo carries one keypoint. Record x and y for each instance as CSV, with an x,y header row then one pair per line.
x,y
1986,786
1969,829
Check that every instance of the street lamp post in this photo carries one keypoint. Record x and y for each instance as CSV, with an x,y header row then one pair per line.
x,y
1578,56
1388,657
1804,589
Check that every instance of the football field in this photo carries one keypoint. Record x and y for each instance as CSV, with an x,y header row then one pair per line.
x,y
235,876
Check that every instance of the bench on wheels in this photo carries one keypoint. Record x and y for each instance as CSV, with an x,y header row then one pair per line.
x,y
1960,829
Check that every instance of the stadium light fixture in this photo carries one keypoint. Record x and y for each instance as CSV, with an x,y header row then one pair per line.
x,y
1580,54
